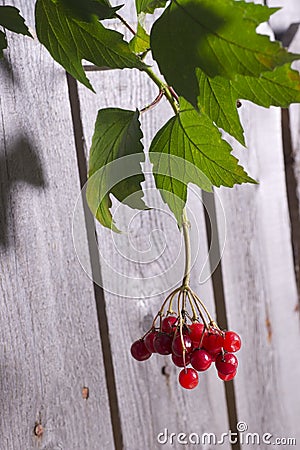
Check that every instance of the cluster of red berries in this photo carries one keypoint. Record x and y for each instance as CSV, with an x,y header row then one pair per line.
x,y
190,343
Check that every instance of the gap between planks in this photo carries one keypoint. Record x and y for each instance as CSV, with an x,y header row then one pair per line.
x,y
292,197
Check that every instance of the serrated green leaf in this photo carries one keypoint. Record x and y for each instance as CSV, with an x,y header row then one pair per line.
x,y
11,19
218,101
69,41
85,9
149,6
218,95
255,12
117,134
141,41
3,43
217,36
278,88
193,137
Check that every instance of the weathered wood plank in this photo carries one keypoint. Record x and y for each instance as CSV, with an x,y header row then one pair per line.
x,y
49,338
290,13
149,390
259,282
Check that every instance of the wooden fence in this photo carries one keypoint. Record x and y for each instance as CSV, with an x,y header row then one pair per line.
x,y
67,380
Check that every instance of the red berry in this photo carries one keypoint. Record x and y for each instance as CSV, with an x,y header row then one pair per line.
x,y
163,343
214,354
201,359
177,347
226,363
232,342
178,360
167,325
188,378
227,377
212,342
149,341
139,350
196,331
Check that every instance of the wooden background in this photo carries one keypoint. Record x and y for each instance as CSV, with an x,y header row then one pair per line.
x,y
60,333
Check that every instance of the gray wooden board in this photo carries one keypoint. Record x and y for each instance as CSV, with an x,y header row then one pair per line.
x,y
49,338
289,13
259,282
149,401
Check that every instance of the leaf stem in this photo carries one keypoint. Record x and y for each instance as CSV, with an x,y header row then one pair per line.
x,y
169,92
163,87
124,22
187,244
155,102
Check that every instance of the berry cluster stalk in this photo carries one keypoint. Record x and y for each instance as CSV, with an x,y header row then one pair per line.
x,y
187,243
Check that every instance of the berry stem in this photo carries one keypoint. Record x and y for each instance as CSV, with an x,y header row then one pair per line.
x,y
211,321
161,311
193,300
195,316
170,307
180,310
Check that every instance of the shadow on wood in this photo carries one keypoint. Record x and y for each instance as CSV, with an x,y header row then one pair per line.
x,y
19,163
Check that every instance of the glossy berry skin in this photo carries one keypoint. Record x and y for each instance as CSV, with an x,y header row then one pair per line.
x,y
212,342
177,347
232,342
163,343
201,360
188,378
149,341
178,360
227,363
139,351
214,354
227,377
168,324
196,330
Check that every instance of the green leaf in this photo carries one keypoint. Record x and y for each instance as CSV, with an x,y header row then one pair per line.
x,y
255,12
85,9
117,135
3,43
217,36
69,41
141,41
278,88
218,101
149,6
11,19
218,95
194,138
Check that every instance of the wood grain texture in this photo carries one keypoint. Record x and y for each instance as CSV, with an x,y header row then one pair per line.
x,y
49,338
150,255
259,282
289,14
